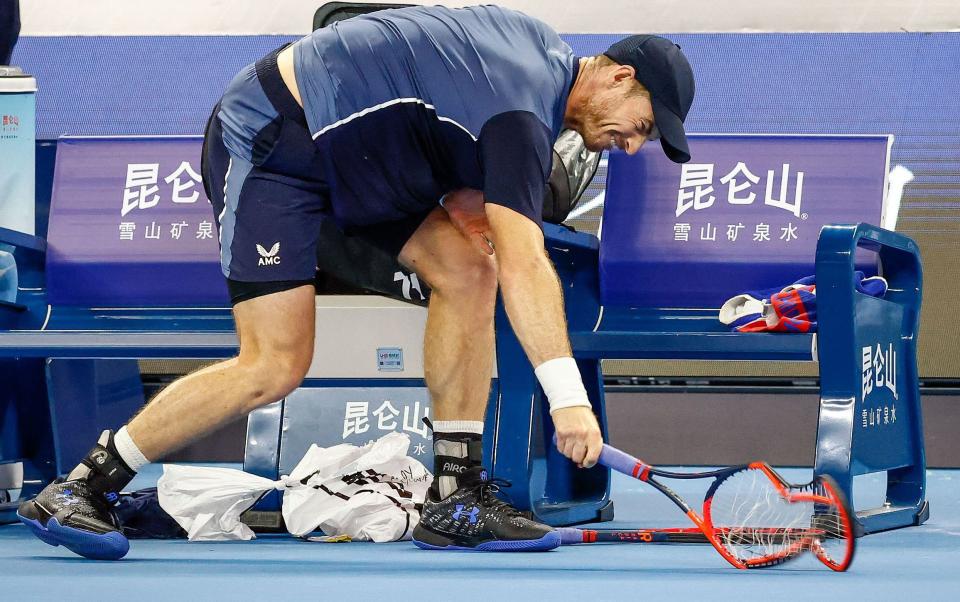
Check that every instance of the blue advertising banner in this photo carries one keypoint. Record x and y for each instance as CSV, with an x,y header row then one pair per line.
x,y
743,215
330,416
129,222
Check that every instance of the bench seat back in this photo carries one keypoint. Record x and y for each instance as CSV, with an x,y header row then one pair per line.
x,y
130,225
744,215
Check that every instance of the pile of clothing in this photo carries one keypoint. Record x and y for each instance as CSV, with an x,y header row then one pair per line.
x,y
369,493
792,308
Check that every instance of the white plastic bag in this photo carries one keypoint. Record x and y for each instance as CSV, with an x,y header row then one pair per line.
x,y
368,493
207,502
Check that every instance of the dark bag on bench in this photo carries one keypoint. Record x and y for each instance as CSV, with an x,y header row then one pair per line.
x,y
573,169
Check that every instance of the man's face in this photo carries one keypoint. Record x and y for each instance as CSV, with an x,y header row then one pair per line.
x,y
618,117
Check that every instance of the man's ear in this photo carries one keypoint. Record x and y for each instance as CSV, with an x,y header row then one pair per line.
x,y
623,74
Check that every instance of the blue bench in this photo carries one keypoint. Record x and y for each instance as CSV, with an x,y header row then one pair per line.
x,y
85,278
87,297
644,292
86,311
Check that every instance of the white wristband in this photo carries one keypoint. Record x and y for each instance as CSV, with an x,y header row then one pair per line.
x,y
560,379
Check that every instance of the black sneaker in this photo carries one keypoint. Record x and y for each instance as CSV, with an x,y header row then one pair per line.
x,y
75,513
473,518
71,514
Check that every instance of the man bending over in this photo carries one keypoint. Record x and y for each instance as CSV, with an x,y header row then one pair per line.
x,y
371,122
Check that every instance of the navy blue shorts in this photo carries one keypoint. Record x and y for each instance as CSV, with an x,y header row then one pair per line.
x,y
261,172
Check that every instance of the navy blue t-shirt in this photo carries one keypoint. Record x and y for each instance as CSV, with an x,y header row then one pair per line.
x,y
406,105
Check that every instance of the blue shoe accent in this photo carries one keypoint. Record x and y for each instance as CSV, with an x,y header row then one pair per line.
x,y
548,542
38,530
96,546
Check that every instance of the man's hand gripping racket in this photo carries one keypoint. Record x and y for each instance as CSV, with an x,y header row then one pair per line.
x,y
750,514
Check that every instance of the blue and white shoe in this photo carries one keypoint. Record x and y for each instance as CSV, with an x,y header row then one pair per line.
x,y
71,514
474,518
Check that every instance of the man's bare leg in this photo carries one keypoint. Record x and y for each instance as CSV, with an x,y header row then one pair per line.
x,y
276,333
458,342
462,512
533,300
276,336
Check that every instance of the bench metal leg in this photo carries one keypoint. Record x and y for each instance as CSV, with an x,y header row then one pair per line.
x,y
519,447
870,412
87,396
52,411
573,495
262,453
26,434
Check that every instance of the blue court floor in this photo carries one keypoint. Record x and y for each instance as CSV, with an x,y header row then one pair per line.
x,y
914,564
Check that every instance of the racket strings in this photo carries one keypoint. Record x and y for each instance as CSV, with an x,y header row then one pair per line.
x,y
760,525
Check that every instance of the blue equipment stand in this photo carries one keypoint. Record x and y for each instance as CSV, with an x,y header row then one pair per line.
x,y
25,426
870,412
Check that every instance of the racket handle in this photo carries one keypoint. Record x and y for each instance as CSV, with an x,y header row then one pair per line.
x,y
615,459
570,535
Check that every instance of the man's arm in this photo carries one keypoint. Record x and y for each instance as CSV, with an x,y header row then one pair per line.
x,y
516,154
531,288
534,303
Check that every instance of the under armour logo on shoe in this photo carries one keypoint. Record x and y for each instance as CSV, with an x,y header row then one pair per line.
x,y
471,515
270,257
99,457
66,498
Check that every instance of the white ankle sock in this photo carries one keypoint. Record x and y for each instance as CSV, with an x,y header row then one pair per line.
x,y
458,426
128,450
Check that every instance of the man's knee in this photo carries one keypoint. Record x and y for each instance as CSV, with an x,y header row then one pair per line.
x,y
464,272
272,375
276,333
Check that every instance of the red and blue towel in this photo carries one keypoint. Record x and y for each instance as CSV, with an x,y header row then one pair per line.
x,y
789,309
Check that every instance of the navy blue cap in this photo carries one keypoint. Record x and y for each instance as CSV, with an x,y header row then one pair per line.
x,y
665,72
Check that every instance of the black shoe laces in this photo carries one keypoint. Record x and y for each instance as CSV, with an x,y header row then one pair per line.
x,y
488,489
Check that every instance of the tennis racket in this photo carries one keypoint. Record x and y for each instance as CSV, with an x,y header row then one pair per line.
x,y
573,535
750,515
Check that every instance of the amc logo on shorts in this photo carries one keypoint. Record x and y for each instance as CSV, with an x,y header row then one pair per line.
x,y
271,257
